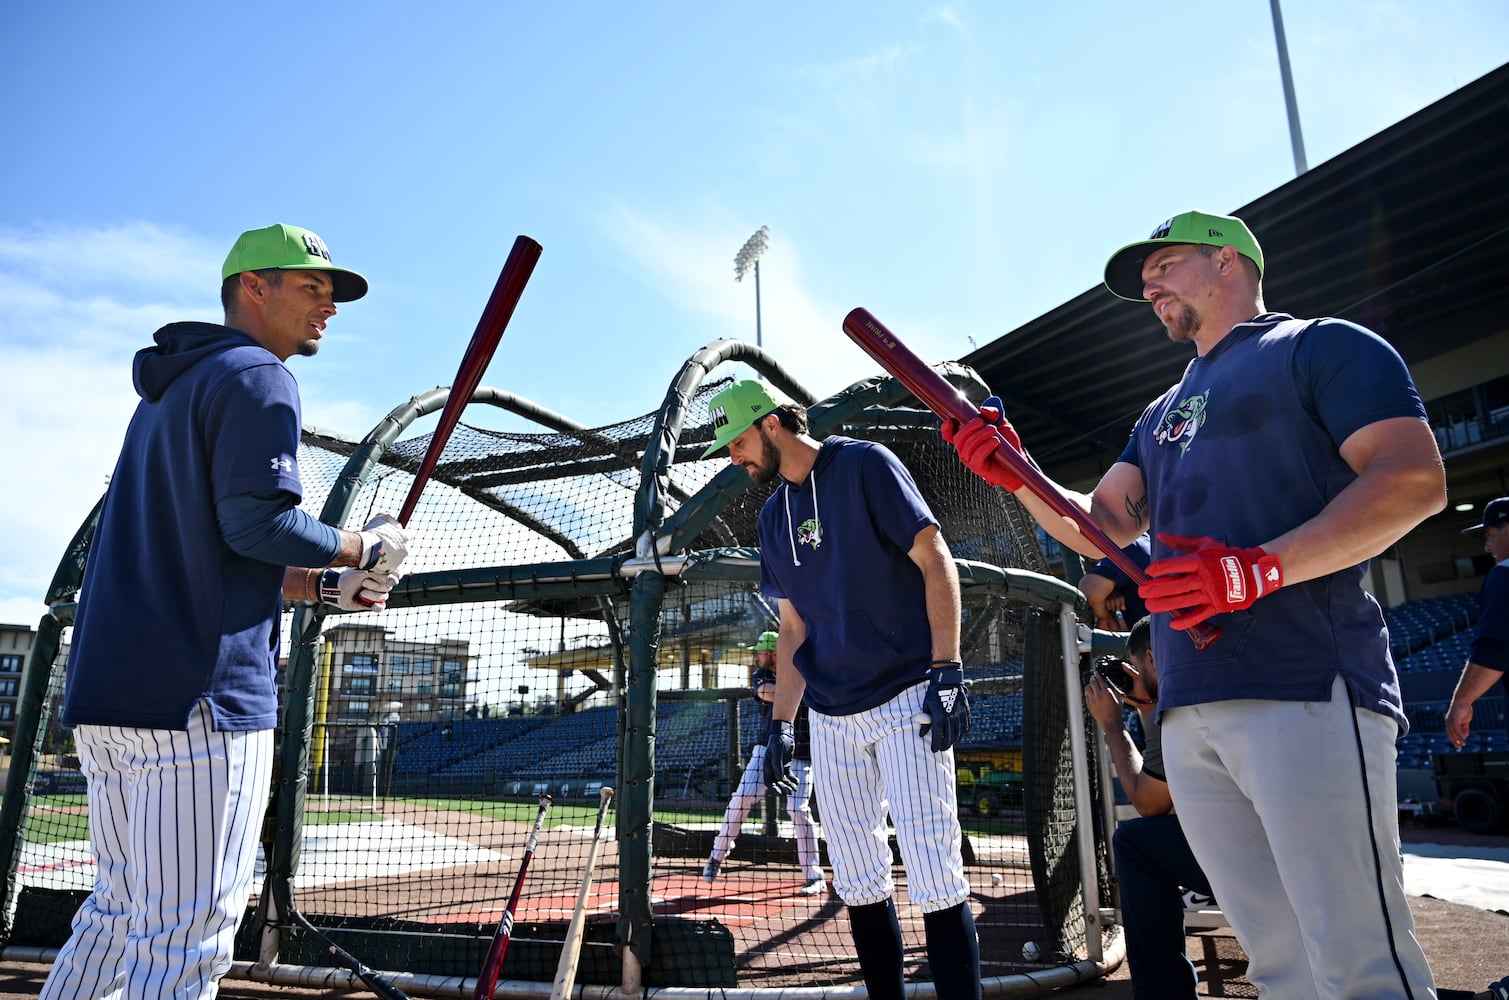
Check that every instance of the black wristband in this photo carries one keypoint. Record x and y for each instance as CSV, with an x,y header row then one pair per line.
x,y
947,663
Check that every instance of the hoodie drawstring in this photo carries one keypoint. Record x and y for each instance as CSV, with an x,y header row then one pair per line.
x,y
817,518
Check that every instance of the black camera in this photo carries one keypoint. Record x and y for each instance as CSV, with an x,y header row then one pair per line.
x,y
1113,670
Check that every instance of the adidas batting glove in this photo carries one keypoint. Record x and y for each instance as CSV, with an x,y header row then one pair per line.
x,y
946,705
778,756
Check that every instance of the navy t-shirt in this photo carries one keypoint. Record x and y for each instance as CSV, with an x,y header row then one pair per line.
x,y
1490,641
835,546
1244,448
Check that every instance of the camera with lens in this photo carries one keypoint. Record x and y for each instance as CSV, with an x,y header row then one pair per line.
x,y
1113,670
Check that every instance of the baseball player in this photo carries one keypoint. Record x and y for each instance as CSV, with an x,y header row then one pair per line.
x,y
171,688
869,635
1290,453
1488,657
752,783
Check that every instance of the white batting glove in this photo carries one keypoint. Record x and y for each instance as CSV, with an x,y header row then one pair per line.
x,y
385,544
356,589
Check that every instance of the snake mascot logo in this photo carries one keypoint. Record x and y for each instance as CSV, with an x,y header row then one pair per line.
x,y
809,532
1183,422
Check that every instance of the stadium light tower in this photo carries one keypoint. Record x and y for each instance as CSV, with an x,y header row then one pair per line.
x,y
749,257
1291,105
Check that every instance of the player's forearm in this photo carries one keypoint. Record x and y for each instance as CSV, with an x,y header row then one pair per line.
x,y
790,685
1476,680
789,688
940,587
300,584
1118,507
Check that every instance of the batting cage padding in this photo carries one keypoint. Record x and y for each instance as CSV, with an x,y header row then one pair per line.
x,y
576,613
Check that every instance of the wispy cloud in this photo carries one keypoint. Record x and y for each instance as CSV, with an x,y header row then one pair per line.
x,y
66,376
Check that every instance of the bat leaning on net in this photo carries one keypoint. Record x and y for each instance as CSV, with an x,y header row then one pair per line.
x,y
377,983
938,395
500,307
487,979
571,948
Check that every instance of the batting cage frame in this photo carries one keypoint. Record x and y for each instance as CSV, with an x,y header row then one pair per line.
x,y
618,564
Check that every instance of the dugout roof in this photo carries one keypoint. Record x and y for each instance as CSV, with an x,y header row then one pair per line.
x,y
1406,233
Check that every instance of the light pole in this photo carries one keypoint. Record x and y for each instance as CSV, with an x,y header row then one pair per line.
x,y
1291,106
749,256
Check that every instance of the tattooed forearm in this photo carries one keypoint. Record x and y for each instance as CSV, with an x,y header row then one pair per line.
x,y
1137,509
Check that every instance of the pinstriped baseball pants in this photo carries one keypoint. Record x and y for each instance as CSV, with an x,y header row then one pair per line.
x,y
174,818
863,762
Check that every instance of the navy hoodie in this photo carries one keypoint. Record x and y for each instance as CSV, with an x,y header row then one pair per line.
x,y
169,614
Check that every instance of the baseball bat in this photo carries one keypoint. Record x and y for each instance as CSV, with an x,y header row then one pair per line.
x,y
487,979
571,948
379,985
500,307
938,395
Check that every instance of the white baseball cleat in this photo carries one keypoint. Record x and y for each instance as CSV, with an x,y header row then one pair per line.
x,y
813,886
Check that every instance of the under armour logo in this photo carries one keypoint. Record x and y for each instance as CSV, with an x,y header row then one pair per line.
x,y
948,696
283,464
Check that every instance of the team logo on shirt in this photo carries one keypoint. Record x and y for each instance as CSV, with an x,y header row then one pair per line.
x,y
810,533
1183,422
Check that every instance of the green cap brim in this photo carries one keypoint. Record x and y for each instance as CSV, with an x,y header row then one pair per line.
x,y
289,248
1123,276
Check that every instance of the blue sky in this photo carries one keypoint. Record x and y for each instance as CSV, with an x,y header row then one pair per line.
x,y
957,168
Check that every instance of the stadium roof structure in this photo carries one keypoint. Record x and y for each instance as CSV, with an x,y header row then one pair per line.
x,y
1406,233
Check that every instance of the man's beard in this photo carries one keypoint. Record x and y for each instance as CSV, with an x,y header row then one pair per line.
x,y
309,348
1182,325
769,465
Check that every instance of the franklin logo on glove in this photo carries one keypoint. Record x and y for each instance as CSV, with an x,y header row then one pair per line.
x,y
1208,579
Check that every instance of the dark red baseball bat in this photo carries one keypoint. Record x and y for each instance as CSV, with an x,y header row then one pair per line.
x,y
487,980
500,306
938,395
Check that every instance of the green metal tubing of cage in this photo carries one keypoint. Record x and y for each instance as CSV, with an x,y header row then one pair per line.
x,y
283,834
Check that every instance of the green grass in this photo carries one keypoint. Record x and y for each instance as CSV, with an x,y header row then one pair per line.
x,y
51,827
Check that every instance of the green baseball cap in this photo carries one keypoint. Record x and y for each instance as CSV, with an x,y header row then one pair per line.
x,y
765,643
735,409
1124,269
289,248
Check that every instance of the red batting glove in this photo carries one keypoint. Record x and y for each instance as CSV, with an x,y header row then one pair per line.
x,y
1211,579
976,443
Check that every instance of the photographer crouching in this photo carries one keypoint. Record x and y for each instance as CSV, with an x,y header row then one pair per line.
x,y
1154,864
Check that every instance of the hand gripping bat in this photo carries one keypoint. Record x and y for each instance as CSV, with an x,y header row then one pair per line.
x,y
938,395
